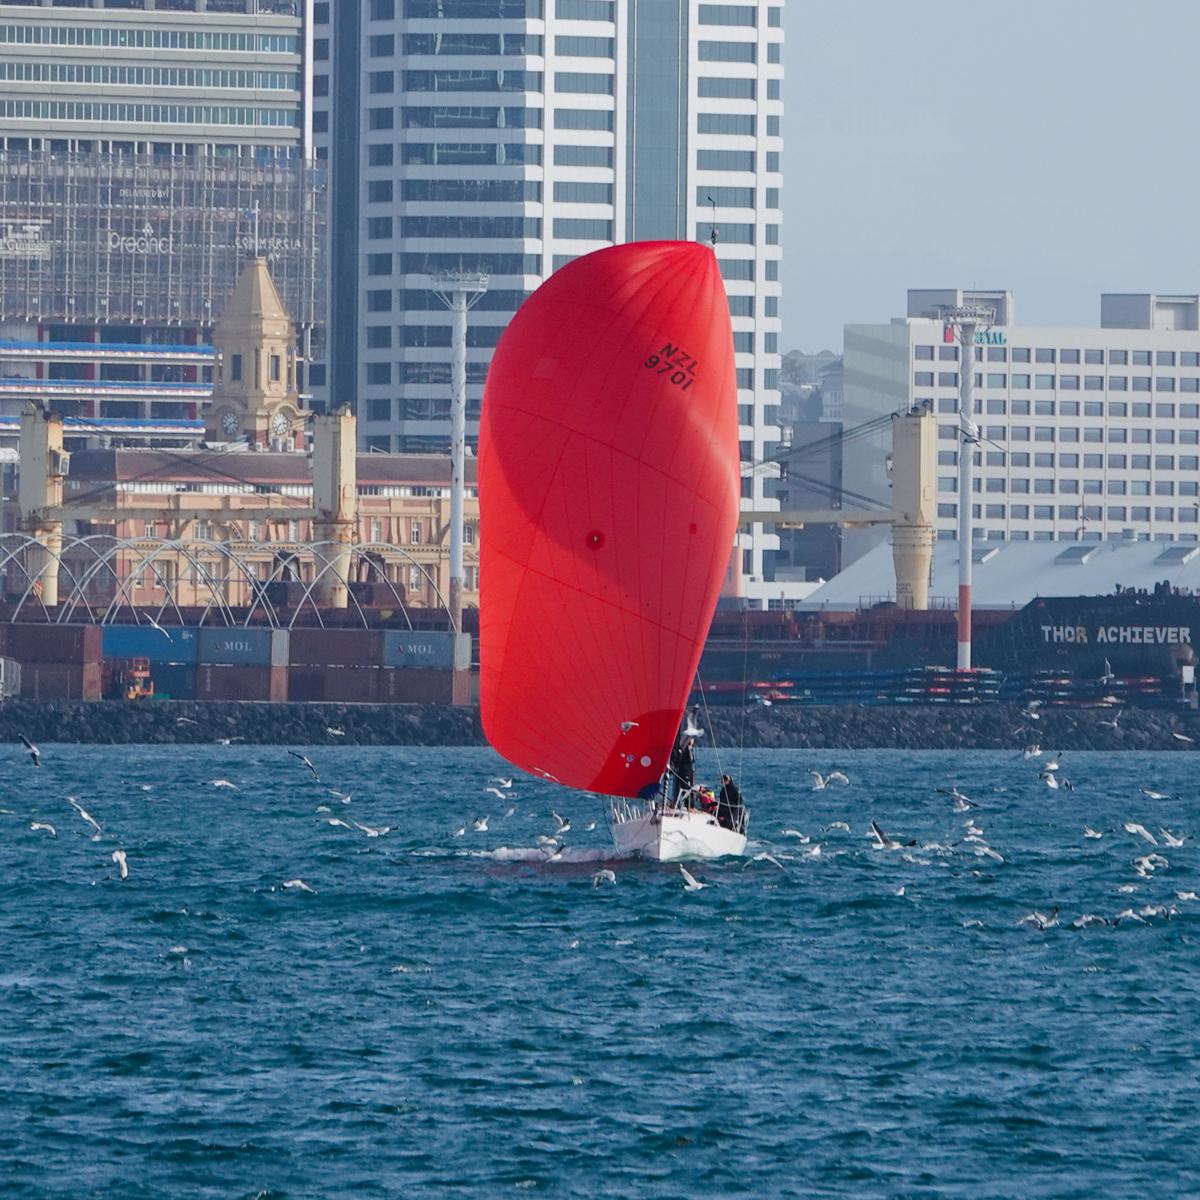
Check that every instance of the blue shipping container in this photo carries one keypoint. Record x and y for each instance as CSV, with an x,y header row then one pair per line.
x,y
426,650
170,644
241,646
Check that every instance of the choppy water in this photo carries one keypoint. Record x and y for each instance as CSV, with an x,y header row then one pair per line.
x,y
450,1015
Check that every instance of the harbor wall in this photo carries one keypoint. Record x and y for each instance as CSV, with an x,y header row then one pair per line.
x,y
984,726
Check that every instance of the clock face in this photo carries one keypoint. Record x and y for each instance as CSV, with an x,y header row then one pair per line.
x,y
280,425
230,424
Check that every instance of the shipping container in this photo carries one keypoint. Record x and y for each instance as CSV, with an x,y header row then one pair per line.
x,y
173,681
231,682
10,678
334,648
425,650
348,685
400,686
244,646
60,681
169,644
54,643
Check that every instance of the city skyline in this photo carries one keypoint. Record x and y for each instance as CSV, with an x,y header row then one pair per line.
x,y
1076,116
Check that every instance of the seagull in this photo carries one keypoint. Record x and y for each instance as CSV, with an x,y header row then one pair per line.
x,y
46,826
1151,794
34,752
509,813
604,876
298,885
794,833
344,797
1107,676
370,832
1040,921
185,721
495,792
1186,896
765,857
1141,831
883,842
961,801
1049,779
690,882
1091,833
1148,864
1028,712
335,731
1172,839
499,779
305,760
1053,762
480,825
228,741
589,827
155,625
461,831
1113,723
836,825
626,726
324,808
1034,751
821,782
224,783
1182,737
556,853
563,823
692,729
87,816
1128,915
543,840
338,821
118,856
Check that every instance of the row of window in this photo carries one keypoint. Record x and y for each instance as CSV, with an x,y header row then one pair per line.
x,y
1020,459
734,234
1073,408
1072,512
742,15
1069,434
729,88
1049,354
453,116
735,197
130,76
1071,487
381,300
1063,383
490,44
459,154
123,37
150,114
439,372
384,191
735,160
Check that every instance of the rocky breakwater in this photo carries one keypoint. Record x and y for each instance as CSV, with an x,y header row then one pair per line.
x,y
984,726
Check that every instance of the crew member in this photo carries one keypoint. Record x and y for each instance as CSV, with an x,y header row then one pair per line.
x,y
683,766
729,804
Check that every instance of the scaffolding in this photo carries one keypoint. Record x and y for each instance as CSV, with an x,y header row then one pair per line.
x,y
97,238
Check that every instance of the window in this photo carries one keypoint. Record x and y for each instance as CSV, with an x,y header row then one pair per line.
x,y
726,89
1118,358
1118,383
579,228
583,83
1043,408
380,82
997,407
948,353
1069,383
583,10
1141,383
1093,383
1068,356
1068,408
379,409
725,160
583,193
1043,512
1141,358
379,227
1043,354
1044,382
379,155
737,124
727,14
1019,512
1020,354
995,511
379,373
583,156
583,47
379,264
1021,382
947,510
1164,383
1094,357
1043,487
1020,487
275,367
733,52
379,191
923,353
379,337
947,379
235,367
584,118
1117,462
382,45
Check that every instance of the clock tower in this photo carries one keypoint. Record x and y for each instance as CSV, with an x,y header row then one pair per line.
x,y
255,397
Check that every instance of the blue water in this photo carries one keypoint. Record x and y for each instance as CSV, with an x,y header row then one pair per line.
x,y
450,1015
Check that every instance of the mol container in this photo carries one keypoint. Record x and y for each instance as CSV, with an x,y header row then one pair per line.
x,y
428,650
170,644
249,647
334,648
61,681
54,643
216,681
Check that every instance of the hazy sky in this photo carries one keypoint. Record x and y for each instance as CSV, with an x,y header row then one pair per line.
x,y
1051,147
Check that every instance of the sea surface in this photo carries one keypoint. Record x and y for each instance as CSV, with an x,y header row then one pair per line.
x,y
442,1012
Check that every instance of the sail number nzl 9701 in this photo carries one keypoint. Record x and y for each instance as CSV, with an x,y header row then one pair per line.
x,y
674,362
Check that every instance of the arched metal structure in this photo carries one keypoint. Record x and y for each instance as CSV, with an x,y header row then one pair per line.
x,y
120,561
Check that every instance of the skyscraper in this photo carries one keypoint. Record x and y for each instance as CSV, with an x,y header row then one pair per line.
x,y
509,137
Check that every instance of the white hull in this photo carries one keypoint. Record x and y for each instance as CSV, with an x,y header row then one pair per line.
x,y
666,834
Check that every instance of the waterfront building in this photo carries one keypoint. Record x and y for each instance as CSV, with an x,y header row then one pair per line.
x,y
510,136
1085,434
146,150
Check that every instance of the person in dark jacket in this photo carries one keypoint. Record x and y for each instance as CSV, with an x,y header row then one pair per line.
x,y
729,804
683,766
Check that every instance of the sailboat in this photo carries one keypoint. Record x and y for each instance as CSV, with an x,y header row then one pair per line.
x,y
608,495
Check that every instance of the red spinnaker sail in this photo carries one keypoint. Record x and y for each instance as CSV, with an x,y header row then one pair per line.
x,y
608,499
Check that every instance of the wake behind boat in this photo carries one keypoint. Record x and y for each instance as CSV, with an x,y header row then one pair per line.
x,y
609,484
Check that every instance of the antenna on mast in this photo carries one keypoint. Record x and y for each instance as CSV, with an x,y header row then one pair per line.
x,y
712,229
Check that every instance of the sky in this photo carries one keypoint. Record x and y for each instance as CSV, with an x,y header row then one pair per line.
x,y
1049,147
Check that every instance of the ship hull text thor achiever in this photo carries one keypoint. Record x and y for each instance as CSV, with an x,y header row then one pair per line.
x,y
1128,635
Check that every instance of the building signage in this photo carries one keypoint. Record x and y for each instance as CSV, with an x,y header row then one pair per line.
x,y
23,240
983,337
261,245
142,242
1118,635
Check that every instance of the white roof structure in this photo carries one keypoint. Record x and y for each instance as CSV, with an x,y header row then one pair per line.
x,y
1011,574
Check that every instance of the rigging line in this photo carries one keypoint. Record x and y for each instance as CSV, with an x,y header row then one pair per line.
x,y
819,485
745,674
708,719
